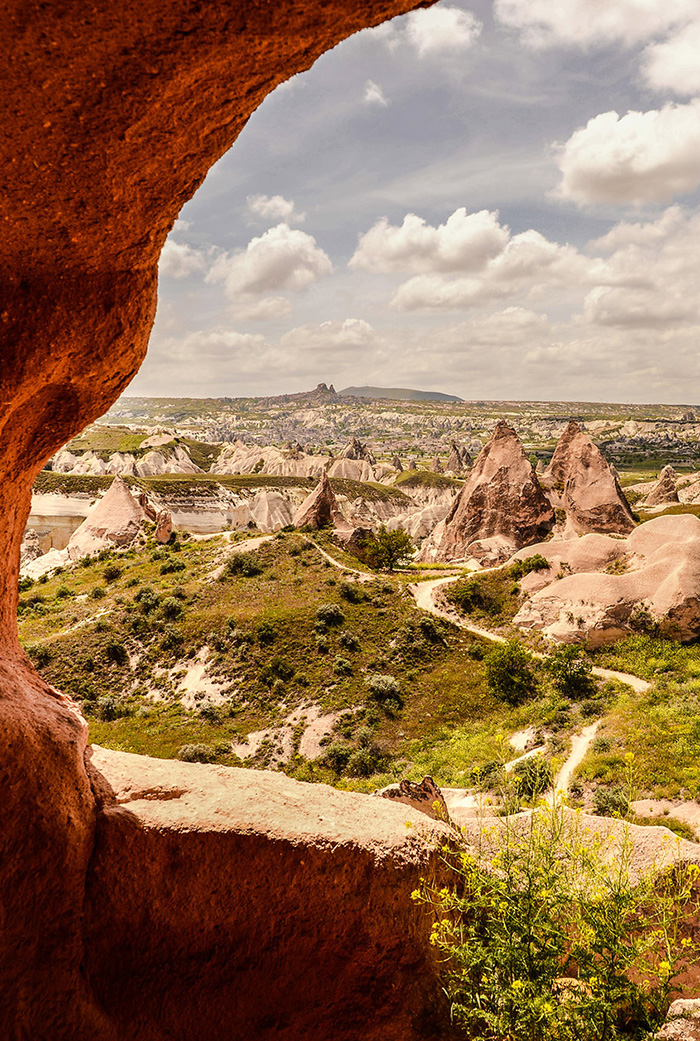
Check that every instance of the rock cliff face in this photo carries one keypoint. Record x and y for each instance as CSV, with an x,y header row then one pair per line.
x,y
115,521
500,508
113,120
320,508
580,481
655,577
665,490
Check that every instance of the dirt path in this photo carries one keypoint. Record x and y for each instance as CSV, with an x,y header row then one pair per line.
x,y
579,746
364,576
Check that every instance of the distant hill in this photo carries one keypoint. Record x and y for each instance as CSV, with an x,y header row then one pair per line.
x,y
397,394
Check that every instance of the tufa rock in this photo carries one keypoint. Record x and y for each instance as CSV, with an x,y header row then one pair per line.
x,y
459,459
396,463
30,549
580,481
437,466
425,796
500,508
648,581
164,527
356,450
413,465
664,490
113,522
682,1021
320,508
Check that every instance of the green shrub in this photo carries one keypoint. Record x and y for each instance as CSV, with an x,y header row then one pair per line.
x,y
571,672
40,654
611,800
172,638
111,573
330,614
349,641
342,667
539,903
171,566
63,592
363,762
116,653
277,668
534,776
351,591
147,599
386,692
266,633
337,756
210,713
246,564
98,593
107,708
510,674
196,754
171,608
521,568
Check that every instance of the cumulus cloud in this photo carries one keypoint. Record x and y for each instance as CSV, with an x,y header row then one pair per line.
x,y
177,260
261,309
465,242
441,29
674,65
650,278
282,258
374,95
275,207
433,32
469,260
585,23
641,157
334,336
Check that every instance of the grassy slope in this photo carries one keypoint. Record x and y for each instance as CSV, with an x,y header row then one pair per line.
x,y
262,635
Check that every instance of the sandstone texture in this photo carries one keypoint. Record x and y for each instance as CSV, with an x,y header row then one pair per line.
x,y
682,1022
580,481
664,490
231,881
424,796
499,509
652,576
114,522
320,507
111,118
458,461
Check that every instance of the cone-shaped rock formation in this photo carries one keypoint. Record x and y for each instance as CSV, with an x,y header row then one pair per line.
x,y
320,508
114,521
580,480
459,460
500,508
664,490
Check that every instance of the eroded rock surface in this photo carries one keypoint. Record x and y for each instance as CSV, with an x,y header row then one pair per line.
x,y
211,888
580,481
664,490
114,522
651,577
320,507
499,509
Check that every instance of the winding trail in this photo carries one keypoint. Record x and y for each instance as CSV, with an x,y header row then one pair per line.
x,y
424,596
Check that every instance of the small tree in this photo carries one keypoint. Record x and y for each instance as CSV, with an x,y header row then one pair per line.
x,y
571,672
385,549
510,674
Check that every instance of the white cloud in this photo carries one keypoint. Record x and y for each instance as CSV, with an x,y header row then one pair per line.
x,y
584,23
274,207
441,29
637,158
465,242
650,279
334,336
177,260
281,258
674,65
374,95
261,309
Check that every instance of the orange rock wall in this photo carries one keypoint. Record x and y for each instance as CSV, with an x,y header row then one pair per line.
x,y
110,116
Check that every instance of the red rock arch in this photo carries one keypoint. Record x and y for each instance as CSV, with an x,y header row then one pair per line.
x,y
111,115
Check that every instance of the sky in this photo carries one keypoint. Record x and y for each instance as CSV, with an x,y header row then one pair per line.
x,y
499,200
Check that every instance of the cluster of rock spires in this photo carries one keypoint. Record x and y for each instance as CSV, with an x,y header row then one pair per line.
x,y
504,505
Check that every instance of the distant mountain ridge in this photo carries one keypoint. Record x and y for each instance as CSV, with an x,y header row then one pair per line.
x,y
397,394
